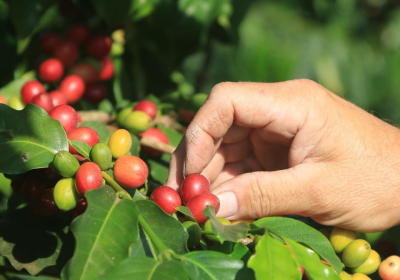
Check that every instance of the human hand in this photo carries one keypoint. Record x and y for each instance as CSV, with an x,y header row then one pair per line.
x,y
293,148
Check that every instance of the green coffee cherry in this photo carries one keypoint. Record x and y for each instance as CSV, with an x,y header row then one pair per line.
x,y
345,276
65,195
101,155
65,164
370,265
122,115
194,232
356,253
137,122
341,237
207,228
16,103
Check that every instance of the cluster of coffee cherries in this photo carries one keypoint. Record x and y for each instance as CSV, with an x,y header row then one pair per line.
x,y
194,193
359,259
67,75
139,120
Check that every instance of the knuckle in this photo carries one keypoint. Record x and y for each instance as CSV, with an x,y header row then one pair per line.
x,y
219,89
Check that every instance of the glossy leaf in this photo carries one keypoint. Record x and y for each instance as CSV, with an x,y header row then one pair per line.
x,y
186,211
33,243
100,128
226,232
169,230
104,234
142,246
174,138
141,9
81,147
158,169
147,268
240,252
311,262
135,148
205,11
300,232
272,260
210,265
29,139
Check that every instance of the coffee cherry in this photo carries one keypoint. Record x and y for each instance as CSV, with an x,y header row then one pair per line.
x,y
58,98
194,231
65,164
44,101
98,46
130,171
49,41
107,69
345,276
51,70
155,134
88,177
84,134
30,90
389,269
360,276
65,194
73,88
17,184
48,176
198,203
122,115
356,253
120,143
370,265
95,92
167,198
66,115
80,207
147,106
3,100
78,33
341,237
85,70
101,155
16,103
66,52
46,204
33,189
194,185
137,122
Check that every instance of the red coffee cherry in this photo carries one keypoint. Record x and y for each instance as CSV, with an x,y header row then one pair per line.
x,y
194,185
66,52
88,177
86,71
156,134
3,100
130,171
198,203
46,204
107,69
84,134
147,106
73,88
66,115
51,70
98,46
95,92
33,189
49,41
43,100
80,207
30,90
78,33
389,269
167,198
58,98
17,185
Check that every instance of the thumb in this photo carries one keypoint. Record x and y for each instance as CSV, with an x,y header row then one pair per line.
x,y
261,194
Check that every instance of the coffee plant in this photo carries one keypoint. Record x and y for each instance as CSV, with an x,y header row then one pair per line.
x,y
101,95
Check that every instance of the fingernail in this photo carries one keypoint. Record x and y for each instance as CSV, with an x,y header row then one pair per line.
x,y
228,204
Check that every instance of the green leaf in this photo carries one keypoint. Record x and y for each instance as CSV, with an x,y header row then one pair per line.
x,y
141,9
34,243
210,265
169,230
100,128
226,232
104,234
141,248
273,260
147,268
186,211
29,139
205,11
158,169
174,138
240,252
311,262
135,148
81,147
300,232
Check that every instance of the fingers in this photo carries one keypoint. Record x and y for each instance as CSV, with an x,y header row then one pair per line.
x,y
247,105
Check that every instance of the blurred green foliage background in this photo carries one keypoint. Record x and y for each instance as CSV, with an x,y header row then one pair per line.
x,y
349,46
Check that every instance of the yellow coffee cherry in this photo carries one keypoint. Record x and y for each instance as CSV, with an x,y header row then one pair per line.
x,y
345,276
341,237
360,276
370,265
356,253
120,143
